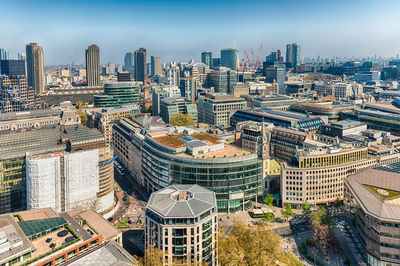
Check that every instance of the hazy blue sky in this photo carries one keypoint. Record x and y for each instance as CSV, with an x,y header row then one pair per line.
x,y
179,30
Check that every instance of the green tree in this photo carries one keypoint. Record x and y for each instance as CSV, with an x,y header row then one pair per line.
x,y
268,217
322,216
252,245
83,116
287,212
182,120
268,199
306,208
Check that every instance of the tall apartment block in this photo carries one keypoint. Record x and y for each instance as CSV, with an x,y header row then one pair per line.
x,y
35,67
92,57
181,220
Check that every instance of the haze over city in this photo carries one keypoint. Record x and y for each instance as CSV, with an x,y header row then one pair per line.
x,y
180,30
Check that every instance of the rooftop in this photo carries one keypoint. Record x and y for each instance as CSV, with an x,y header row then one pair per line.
x,y
110,254
377,191
180,140
166,203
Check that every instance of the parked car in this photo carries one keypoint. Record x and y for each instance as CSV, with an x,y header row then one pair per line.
x,y
69,239
62,233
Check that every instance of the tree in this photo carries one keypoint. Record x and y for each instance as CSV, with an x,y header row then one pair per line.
x,y
268,199
306,208
268,217
83,116
252,245
182,120
322,236
287,212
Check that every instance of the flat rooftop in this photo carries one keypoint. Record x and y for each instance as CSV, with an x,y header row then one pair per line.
x,y
180,140
229,151
47,139
17,243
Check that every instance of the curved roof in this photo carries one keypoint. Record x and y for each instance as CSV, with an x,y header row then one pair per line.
x,y
168,204
200,64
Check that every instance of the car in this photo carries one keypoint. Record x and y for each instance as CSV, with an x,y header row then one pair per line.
x,y
89,232
62,233
125,198
110,219
48,240
69,239
52,245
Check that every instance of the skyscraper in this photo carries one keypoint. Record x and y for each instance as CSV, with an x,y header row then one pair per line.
x,y
35,67
3,54
140,65
155,65
206,58
92,56
129,62
229,58
293,55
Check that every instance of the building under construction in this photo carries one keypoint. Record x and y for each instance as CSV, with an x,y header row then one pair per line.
x,y
64,167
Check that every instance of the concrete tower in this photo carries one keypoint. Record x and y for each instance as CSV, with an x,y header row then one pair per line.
x,y
35,67
92,56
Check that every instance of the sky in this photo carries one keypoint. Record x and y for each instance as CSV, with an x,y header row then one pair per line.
x,y
179,30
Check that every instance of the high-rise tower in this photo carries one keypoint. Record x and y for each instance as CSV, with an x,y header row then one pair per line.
x,y
140,65
206,58
129,62
229,58
293,55
155,65
35,67
92,56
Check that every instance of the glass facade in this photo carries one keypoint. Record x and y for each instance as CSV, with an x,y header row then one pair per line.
x,y
235,182
117,94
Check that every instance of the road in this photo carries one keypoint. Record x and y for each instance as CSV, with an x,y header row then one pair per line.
x,y
126,187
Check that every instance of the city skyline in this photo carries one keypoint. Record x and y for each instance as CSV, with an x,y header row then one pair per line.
x,y
178,31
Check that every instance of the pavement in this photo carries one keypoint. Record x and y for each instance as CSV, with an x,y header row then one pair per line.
x,y
133,206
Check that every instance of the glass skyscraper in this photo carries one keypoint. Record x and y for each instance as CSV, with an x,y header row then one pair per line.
x,y
229,58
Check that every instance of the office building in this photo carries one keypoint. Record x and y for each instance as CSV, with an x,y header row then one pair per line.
x,y
155,65
372,205
92,56
118,94
170,107
216,62
188,88
216,109
12,67
229,58
140,65
73,239
279,118
187,156
129,62
293,56
206,58
181,220
56,165
223,79
35,67
276,73
3,56
172,74
274,102
15,95
124,76
103,118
